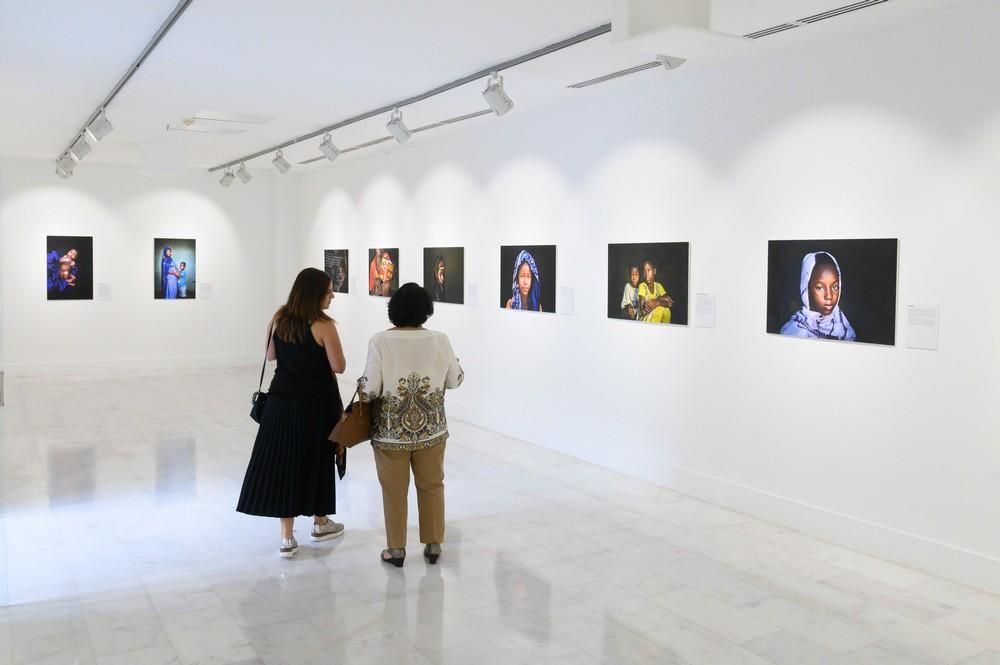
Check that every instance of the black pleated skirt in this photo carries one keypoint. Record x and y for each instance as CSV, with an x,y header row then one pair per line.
x,y
292,466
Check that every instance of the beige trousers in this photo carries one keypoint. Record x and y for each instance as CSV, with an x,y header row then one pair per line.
x,y
428,475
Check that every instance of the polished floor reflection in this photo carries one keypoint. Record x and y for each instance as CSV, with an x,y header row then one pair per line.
x,y
120,545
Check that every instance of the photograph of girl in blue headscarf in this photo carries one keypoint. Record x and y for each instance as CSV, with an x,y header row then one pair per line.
x,y
174,273
528,277
819,305
69,267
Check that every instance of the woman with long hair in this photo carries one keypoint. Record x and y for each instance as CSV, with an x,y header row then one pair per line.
x,y
291,469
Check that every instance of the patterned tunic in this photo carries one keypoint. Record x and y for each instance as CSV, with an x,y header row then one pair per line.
x,y
407,372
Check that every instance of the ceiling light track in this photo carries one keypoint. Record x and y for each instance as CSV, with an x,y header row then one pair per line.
x,y
98,125
389,108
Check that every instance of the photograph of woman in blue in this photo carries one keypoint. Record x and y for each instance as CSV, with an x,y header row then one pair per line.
x,y
175,269
69,267
532,277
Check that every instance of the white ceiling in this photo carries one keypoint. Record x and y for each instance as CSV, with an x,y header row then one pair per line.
x,y
311,63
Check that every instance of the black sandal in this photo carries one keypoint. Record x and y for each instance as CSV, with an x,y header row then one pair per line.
x,y
432,557
394,560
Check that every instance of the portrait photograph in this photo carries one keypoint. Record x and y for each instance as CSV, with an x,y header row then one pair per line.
x,y
528,277
174,269
335,265
69,265
842,290
383,271
444,274
648,282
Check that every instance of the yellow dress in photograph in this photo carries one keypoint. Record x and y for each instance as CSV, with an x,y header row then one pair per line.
x,y
658,314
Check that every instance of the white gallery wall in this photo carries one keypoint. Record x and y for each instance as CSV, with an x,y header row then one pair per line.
x,y
124,211
896,134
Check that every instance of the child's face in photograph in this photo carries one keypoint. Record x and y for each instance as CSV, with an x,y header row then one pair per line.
x,y
524,280
650,272
633,276
824,290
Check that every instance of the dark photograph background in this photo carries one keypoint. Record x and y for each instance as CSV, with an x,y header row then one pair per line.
x,y
82,287
454,273
545,260
671,261
183,250
335,264
868,283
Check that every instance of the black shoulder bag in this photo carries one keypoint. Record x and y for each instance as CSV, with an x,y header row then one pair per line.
x,y
259,399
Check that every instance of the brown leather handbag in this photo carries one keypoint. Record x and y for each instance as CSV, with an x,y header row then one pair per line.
x,y
355,425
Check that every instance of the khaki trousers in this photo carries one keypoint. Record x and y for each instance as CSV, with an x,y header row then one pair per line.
x,y
428,475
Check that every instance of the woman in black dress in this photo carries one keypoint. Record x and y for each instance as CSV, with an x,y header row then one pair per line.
x,y
291,469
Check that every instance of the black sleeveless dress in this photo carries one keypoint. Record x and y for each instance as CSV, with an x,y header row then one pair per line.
x,y
292,466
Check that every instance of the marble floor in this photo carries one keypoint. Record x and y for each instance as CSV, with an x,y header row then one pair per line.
x,y
119,545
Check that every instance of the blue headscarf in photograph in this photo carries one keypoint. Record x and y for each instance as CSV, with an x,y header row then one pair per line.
x,y
166,264
535,294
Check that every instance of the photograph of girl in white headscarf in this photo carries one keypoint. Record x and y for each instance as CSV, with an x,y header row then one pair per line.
x,y
841,290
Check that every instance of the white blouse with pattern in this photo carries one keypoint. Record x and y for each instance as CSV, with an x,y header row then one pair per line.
x,y
407,372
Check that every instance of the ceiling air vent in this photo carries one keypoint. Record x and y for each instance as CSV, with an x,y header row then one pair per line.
x,y
766,32
815,18
614,75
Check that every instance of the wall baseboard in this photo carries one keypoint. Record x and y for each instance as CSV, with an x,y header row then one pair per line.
x,y
956,563
129,365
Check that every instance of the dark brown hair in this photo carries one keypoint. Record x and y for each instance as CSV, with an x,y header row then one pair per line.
x,y
292,320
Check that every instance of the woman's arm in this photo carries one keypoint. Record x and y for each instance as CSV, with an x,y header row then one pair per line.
x,y
271,353
370,384
333,347
455,374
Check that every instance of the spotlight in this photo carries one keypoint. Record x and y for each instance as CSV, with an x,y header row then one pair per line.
x,y
227,178
280,162
80,148
66,164
396,127
101,126
328,149
243,174
496,97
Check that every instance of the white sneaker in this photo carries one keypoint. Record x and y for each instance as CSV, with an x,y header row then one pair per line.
x,y
288,548
327,530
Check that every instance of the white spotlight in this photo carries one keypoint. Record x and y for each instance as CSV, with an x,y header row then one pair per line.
x,y
80,148
66,164
101,126
280,162
495,95
328,149
396,127
243,174
227,178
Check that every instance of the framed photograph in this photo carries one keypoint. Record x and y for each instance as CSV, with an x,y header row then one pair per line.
x,y
833,289
528,277
444,274
69,266
335,264
175,274
383,271
648,282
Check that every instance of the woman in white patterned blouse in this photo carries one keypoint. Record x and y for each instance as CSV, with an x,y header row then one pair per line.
x,y
408,370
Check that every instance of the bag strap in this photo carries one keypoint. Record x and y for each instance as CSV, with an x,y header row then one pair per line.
x,y
270,332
